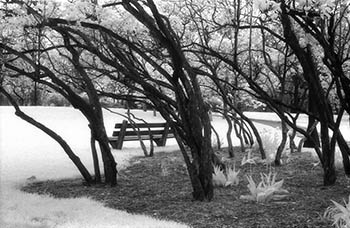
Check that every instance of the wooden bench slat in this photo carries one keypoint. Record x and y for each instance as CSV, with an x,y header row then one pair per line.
x,y
125,132
142,132
141,125
135,137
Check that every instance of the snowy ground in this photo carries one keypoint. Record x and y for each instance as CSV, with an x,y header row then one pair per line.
x,y
27,152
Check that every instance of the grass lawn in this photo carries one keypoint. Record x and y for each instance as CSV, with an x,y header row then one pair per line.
x,y
143,188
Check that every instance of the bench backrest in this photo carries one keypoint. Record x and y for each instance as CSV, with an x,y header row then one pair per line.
x,y
158,132
126,129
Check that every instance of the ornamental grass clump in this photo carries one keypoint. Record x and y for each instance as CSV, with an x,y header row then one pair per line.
x,y
339,214
226,178
219,178
232,176
271,139
249,159
267,189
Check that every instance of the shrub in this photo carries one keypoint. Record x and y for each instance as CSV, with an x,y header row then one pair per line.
x,y
232,176
267,189
55,99
224,180
271,139
339,214
249,159
219,178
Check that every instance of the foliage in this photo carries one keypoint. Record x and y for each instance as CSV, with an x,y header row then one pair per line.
x,y
54,99
266,190
248,159
339,214
226,178
232,176
271,140
219,178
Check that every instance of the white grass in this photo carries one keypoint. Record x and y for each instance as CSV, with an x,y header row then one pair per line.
x,y
26,152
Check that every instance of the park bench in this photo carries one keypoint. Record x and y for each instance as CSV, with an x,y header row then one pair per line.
x,y
125,132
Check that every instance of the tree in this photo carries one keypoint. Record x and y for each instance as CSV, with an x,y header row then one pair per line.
x,y
251,72
318,95
154,66
64,82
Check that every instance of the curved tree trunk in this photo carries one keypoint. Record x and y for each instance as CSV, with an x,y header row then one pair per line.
x,y
343,146
200,145
239,134
256,133
95,158
282,144
292,145
75,159
110,166
229,134
217,138
329,177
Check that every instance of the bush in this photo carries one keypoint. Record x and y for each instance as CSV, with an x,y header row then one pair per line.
x,y
267,189
55,99
227,178
339,214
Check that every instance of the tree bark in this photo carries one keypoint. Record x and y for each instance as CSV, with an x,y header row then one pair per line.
x,y
239,134
229,135
312,120
282,144
95,158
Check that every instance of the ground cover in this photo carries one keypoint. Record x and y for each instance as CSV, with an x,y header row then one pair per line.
x,y
159,187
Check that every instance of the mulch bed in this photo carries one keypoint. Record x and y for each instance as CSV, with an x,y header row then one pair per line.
x,y
143,188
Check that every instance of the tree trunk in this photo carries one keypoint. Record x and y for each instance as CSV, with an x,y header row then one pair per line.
x,y
239,134
255,131
199,169
229,134
95,158
110,166
292,145
329,176
314,135
202,152
282,144
217,138
257,136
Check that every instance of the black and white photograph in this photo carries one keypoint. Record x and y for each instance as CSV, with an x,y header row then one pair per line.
x,y
174,113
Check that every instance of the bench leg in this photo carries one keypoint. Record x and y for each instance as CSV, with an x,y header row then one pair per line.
x,y
160,142
119,144
113,144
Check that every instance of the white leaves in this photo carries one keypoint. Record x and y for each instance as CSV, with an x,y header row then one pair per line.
x,y
232,176
324,7
266,5
219,178
267,189
249,159
12,25
339,214
224,180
